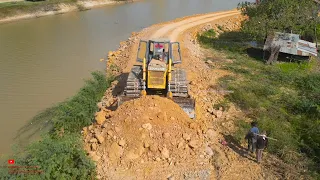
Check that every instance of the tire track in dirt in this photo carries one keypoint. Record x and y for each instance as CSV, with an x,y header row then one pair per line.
x,y
175,34
168,27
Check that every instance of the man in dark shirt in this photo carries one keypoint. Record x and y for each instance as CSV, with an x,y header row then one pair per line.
x,y
252,137
262,143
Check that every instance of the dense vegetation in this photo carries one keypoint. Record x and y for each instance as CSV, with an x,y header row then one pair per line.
x,y
59,154
297,16
269,16
284,99
8,9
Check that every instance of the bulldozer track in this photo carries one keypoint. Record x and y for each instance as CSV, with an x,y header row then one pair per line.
x,y
134,84
178,84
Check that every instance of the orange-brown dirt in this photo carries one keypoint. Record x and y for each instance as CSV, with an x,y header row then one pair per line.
x,y
152,138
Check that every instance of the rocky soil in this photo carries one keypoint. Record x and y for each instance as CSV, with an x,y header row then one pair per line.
x,y
146,133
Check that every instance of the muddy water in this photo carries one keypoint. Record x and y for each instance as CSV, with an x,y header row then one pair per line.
x,y
44,61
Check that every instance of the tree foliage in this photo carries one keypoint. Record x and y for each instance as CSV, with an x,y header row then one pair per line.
x,y
298,16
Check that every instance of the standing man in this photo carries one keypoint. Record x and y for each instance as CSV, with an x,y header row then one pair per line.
x,y
262,143
252,137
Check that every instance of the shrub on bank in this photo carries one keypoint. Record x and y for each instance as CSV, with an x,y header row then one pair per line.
x,y
59,154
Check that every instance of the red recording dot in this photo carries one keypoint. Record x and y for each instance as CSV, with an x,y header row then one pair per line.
x,y
11,161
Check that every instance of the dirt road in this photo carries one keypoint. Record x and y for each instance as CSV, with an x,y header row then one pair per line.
x,y
123,153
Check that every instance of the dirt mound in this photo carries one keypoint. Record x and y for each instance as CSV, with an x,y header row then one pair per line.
x,y
144,130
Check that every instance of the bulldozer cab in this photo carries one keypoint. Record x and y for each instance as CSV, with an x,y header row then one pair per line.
x,y
160,49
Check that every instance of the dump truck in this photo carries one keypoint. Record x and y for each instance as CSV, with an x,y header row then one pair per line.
x,y
156,74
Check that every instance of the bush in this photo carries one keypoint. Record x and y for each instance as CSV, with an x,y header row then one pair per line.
x,y
60,154
79,111
57,158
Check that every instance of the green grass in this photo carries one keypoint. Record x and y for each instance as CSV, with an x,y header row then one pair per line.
x,y
15,8
60,153
283,98
9,9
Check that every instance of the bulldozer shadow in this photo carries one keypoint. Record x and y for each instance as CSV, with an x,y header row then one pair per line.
x,y
119,87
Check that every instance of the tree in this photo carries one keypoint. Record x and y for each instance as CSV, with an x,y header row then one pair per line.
x,y
269,16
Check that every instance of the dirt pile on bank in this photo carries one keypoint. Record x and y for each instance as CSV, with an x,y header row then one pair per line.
x,y
146,130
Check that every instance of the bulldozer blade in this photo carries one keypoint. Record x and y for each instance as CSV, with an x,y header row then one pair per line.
x,y
187,104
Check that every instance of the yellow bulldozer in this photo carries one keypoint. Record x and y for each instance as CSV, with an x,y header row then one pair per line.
x,y
158,76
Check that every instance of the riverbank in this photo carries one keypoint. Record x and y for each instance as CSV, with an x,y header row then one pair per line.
x,y
14,11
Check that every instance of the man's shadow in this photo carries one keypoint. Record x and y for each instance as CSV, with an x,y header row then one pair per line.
x,y
235,146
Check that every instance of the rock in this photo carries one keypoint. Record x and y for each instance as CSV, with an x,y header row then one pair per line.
x,y
218,113
115,151
104,125
172,118
154,147
180,145
90,127
210,110
131,155
165,153
94,147
94,157
99,105
87,147
209,62
146,145
147,126
100,138
84,131
166,135
193,144
209,151
117,129
193,125
140,150
158,159
186,136
122,142
93,140
110,133
192,83
210,134
100,117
